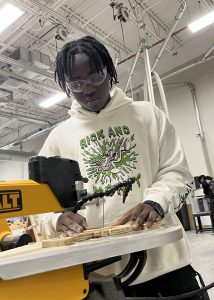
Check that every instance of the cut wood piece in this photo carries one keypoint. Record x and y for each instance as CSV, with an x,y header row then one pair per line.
x,y
57,242
102,232
32,229
95,233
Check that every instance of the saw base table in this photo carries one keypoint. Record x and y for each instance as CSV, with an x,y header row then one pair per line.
x,y
33,272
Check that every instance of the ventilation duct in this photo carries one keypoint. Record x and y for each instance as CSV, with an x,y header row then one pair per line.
x,y
5,96
21,54
35,58
39,59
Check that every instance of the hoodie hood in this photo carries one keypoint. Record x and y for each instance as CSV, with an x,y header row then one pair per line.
x,y
118,99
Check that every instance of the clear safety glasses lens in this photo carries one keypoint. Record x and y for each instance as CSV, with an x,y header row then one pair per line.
x,y
95,80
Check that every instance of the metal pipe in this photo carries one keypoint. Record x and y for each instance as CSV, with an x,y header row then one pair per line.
x,y
133,66
116,60
208,52
201,132
151,6
148,74
25,138
7,124
201,61
155,44
159,22
97,15
32,135
159,40
205,5
145,90
177,18
24,118
134,18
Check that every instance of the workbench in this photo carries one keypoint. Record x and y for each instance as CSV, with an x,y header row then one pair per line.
x,y
17,265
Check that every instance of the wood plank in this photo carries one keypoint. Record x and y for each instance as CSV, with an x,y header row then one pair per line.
x,y
95,233
32,229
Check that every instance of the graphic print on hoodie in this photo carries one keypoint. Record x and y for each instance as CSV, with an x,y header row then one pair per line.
x,y
110,156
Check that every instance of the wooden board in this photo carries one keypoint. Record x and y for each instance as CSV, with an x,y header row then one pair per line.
x,y
32,229
94,233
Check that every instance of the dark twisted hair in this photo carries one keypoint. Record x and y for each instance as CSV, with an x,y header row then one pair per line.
x,y
97,53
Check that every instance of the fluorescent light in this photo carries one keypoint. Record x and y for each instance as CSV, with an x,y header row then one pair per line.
x,y
202,22
9,14
53,100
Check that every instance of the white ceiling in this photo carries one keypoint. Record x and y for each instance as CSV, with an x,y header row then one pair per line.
x,y
27,83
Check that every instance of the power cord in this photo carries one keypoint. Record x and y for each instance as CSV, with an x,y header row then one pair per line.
x,y
177,297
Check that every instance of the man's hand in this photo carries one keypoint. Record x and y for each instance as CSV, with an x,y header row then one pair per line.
x,y
138,215
69,223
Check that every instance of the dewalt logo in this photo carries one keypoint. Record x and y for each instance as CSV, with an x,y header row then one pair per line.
x,y
10,201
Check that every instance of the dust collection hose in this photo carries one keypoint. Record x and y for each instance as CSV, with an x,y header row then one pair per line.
x,y
162,94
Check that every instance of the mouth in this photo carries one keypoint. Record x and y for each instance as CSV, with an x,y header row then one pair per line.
x,y
91,101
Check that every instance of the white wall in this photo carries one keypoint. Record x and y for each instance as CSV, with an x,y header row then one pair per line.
x,y
13,170
182,115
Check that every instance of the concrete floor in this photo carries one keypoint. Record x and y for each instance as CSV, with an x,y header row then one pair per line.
x,y
202,248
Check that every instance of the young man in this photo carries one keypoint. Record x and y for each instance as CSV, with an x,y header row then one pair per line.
x,y
114,138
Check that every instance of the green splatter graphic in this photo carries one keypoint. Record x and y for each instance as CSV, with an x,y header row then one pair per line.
x,y
108,160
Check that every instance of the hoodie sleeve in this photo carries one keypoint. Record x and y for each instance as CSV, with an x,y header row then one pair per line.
x,y
46,223
50,147
172,182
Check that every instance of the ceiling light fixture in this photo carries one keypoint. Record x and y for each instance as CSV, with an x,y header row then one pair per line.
x,y
53,100
9,14
202,22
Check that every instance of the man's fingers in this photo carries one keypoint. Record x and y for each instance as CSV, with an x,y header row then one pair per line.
x,y
124,219
62,228
137,224
65,223
76,227
75,217
143,213
70,232
84,224
72,229
158,219
151,218
62,234
138,216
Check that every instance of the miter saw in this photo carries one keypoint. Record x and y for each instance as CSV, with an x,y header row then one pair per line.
x,y
55,185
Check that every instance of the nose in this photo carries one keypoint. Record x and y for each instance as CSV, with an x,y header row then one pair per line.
x,y
88,89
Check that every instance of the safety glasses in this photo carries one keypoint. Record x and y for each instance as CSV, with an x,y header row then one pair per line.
x,y
95,80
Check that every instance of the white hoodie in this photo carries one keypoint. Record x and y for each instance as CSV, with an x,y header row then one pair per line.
x,y
123,140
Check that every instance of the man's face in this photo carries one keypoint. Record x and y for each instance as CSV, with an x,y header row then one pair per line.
x,y
92,97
